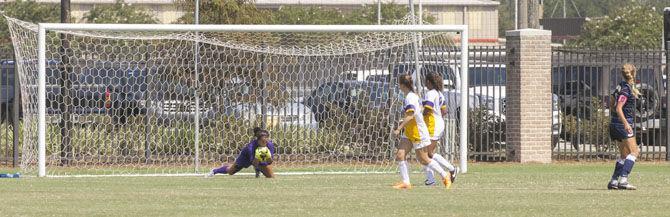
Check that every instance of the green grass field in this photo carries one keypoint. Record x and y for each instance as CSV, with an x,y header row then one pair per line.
x,y
487,190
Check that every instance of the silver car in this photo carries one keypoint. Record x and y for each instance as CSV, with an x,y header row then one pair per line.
x,y
291,113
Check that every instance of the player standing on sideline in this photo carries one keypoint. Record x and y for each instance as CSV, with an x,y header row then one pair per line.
x,y
416,134
621,129
247,157
434,108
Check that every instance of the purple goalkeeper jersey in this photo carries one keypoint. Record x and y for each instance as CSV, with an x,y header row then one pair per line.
x,y
247,155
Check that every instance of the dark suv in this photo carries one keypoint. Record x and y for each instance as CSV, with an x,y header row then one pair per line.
x,y
344,94
578,85
118,89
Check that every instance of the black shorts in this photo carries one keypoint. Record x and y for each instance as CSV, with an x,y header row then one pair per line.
x,y
619,133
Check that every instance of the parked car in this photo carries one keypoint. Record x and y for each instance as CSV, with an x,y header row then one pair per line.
x,y
343,94
451,82
578,85
291,113
365,75
120,90
448,71
650,84
489,81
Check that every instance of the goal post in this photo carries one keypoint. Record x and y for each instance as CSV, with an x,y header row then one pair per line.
x,y
369,47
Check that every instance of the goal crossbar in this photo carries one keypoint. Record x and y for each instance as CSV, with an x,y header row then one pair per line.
x,y
252,28
44,27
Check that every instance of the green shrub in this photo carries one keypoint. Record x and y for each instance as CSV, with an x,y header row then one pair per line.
x,y
486,131
591,131
362,129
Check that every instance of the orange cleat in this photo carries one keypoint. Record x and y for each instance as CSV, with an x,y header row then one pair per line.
x,y
447,181
402,185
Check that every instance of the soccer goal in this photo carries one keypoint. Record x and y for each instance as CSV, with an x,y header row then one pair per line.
x,y
135,99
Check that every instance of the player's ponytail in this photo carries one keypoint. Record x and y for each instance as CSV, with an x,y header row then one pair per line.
x,y
435,81
406,80
628,72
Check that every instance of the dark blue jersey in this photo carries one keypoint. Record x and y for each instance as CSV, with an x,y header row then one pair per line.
x,y
248,154
623,94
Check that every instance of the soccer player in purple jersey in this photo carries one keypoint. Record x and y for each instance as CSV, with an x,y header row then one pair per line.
x,y
247,157
621,128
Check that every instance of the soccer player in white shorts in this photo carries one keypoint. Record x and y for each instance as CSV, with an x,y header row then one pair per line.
x,y
434,108
416,133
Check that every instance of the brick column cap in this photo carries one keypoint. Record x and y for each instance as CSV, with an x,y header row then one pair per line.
x,y
528,32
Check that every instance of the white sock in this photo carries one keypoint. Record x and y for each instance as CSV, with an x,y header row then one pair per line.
x,y
443,162
624,179
437,168
430,176
631,157
619,161
404,171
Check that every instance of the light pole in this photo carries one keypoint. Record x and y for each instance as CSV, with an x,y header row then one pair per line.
x,y
516,14
65,84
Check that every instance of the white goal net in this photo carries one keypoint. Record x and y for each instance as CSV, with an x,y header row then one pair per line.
x,y
182,99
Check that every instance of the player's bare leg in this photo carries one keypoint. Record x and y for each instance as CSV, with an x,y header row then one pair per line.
x,y
430,174
422,155
453,171
404,147
630,147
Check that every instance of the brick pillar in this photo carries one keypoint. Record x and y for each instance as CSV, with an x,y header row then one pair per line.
x,y
529,106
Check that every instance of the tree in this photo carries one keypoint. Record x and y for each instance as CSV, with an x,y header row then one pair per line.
x,y
366,15
505,16
119,12
634,26
308,15
224,12
586,8
594,8
245,12
30,11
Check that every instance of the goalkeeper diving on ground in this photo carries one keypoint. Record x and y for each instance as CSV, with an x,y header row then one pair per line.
x,y
258,153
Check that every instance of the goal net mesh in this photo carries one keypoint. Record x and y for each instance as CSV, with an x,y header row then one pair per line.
x,y
122,102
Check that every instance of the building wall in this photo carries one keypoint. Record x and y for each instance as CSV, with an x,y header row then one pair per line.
x,y
482,21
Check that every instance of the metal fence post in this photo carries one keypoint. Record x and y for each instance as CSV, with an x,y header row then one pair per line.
x,y
666,39
667,89
15,117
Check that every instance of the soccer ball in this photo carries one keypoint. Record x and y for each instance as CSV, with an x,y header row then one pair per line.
x,y
263,154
